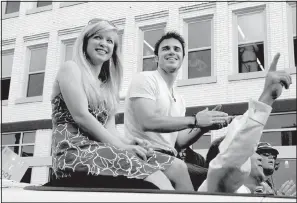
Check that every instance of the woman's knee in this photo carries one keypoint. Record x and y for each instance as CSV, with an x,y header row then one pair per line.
x,y
178,166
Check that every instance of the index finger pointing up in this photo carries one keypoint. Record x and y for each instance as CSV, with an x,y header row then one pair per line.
x,y
274,62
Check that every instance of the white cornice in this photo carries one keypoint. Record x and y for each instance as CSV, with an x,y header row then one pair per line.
x,y
36,37
197,7
7,42
69,31
150,16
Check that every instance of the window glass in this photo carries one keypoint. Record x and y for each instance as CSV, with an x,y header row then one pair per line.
x,y
43,3
5,86
12,6
199,63
251,57
149,40
35,85
27,151
29,137
279,121
10,139
6,65
38,59
199,34
251,28
283,138
149,64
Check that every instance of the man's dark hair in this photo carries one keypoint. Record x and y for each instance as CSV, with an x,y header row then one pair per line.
x,y
170,35
213,150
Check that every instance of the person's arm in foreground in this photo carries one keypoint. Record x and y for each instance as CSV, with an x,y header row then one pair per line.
x,y
243,134
69,79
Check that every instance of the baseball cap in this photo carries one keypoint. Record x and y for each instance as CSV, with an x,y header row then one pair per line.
x,y
265,146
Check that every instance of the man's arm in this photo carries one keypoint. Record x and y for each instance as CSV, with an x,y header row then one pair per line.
x,y
229,168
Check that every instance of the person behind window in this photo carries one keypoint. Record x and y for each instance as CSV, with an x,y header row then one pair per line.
x,y
155,111
233,164
248,59
270,165
84,102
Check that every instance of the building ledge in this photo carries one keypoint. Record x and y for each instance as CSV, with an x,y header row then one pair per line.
x,y
39,9
66,4
197,81
246,76
291,70
10,15
29,100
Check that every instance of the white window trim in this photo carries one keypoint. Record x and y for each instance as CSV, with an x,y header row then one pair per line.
x,y
251,75
36,9
141,31
9,15
24,98
7,52
203,80
292,68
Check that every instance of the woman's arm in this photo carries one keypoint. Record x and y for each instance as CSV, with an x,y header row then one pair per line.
x,y
111,127
70,83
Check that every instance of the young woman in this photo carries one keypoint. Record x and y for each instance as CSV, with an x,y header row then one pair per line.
x,y
84,102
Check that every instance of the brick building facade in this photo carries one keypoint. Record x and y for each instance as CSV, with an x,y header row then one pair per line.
x,y
223,39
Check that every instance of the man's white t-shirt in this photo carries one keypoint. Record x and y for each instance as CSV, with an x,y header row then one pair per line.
x,y
151,85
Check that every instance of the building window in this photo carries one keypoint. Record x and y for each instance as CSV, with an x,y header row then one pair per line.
x,y
150,37
7,60
36,70
12,7
68,49
199,49
280,130
43,3
250,30
22,143
121,41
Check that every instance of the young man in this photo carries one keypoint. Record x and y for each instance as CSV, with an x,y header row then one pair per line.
x,y
234,165
269,164
154,110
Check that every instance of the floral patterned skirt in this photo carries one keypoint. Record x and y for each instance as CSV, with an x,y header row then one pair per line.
x,y
73,151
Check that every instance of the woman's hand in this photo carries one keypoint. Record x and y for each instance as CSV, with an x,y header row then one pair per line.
x,y
138,150
141,142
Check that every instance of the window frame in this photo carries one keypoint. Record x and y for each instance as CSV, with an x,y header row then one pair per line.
x,y
184,81
290,7
9,15
141,32
35,9
7,52
235,75
20,145
65,43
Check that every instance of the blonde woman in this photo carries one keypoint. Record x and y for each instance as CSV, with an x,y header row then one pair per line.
x,y
84,102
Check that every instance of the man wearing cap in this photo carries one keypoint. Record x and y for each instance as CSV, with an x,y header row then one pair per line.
x,y
269,164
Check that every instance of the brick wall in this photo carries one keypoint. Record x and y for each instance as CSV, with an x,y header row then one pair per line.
x,y
57,19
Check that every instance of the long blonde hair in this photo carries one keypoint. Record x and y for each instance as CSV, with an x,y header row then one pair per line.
x,y
104,94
